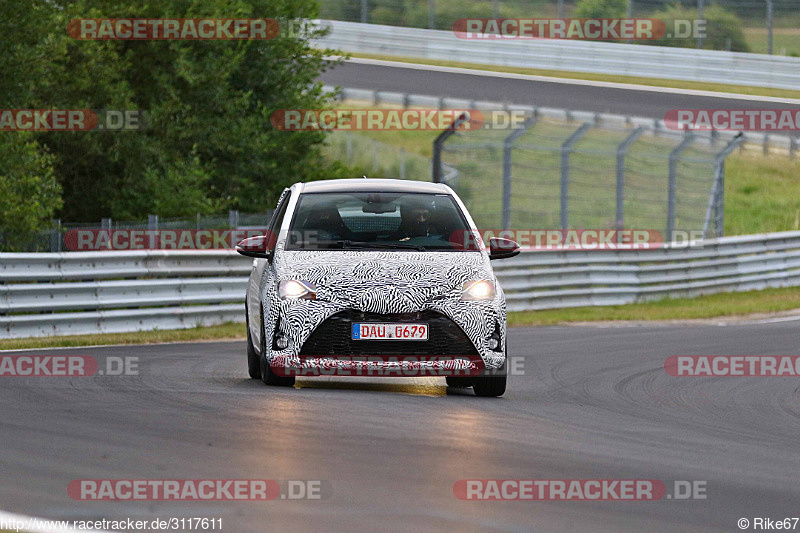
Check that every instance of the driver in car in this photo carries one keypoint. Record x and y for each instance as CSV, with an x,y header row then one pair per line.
x,y
417,223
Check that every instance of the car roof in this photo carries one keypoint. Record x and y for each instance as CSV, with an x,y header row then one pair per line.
x,y
374,185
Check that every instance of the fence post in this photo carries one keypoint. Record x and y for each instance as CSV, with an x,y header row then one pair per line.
x,y
628,14
402,164
349,148
438,145
233,218
374,150
363,11
152,226
719,218
55,235
508,145
700,6
769,27
717,199
688,138
566,148
621,149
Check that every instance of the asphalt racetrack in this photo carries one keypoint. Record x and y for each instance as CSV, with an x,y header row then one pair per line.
x,y
494,87
593,403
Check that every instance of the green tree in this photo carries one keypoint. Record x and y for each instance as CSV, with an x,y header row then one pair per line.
x,y
29,192
209,144
595,9
723,28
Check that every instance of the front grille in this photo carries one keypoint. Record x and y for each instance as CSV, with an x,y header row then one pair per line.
x,y
332,337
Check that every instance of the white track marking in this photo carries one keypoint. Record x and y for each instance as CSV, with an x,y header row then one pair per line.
x,y
773,320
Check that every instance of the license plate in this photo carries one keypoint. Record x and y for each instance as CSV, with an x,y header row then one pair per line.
x,y
390,332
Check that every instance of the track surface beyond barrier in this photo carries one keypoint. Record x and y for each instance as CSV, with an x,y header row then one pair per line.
x,y
593,403
576,96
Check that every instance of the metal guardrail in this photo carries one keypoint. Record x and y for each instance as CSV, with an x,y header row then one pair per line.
x,y
78,293
710,66
81,293
553,279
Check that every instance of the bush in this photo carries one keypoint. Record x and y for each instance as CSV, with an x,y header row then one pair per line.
x,y
29,193
723,29
595,9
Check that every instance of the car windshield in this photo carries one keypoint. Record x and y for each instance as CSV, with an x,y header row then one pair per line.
x,y
376,221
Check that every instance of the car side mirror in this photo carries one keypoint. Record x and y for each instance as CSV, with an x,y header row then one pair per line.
x,y
500,248
259,247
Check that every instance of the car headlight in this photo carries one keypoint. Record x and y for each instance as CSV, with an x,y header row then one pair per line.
x,y
293,289
478,290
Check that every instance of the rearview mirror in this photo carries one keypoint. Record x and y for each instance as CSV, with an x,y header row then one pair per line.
x,y
379,208
258,247
500,248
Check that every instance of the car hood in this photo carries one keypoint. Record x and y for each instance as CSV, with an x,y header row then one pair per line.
x,y
384,281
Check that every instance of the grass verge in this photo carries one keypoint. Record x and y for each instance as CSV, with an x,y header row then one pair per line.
x,y
228,330
652,82
712,306
727,304
785,40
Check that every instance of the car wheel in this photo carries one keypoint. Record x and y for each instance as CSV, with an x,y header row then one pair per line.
x,y
492,383
267,375
253,363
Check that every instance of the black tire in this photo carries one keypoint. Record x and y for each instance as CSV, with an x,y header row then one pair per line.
x,y
458,382
493,382
253,364
267,375
490,386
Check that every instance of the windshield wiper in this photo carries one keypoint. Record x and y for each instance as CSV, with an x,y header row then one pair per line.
x,y
381,245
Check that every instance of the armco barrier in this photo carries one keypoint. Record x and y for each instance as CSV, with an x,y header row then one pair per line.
x,y
78,293
103,292
552,279
710,66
